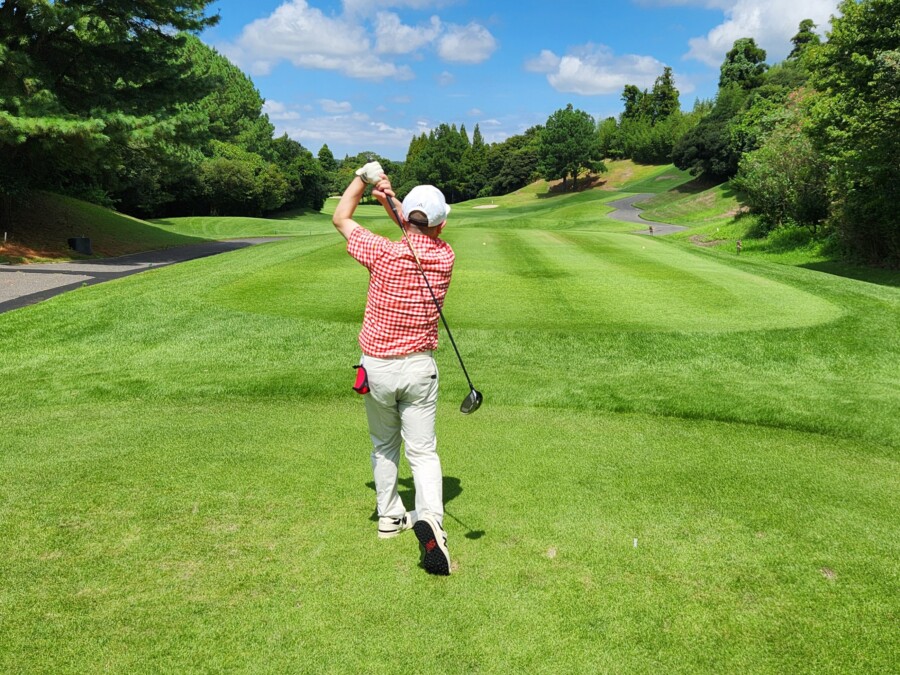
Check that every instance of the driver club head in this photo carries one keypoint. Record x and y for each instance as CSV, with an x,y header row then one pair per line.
x,y
471,403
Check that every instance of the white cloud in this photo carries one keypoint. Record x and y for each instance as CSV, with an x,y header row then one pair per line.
x,y
475,112
392,36
467,44
772,23
357,130
335,107
592,70
278,111
545,62
305,37
445,79
491,123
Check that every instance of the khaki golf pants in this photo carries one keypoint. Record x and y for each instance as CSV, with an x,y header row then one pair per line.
x,y
401,405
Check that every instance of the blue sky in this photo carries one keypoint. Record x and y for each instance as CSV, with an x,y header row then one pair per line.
x,y
367,76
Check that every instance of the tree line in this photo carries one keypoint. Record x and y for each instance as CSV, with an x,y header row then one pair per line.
x,y
121,104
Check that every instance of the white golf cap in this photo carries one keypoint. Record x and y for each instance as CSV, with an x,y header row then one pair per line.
x,y
430,201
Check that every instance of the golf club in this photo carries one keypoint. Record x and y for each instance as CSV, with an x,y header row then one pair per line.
x,y
472,402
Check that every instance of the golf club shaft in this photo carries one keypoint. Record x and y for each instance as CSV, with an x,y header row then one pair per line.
x,y
428,284
457,520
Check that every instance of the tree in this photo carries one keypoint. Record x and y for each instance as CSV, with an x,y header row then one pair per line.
x,y
785,179
326,159
81,81
474,166
664,97
438,161
708,148
309,184
744,65
607,139
635,104
513,163
854,120
804,38
568,145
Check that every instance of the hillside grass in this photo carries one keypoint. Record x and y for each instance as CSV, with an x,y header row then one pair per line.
x,y
41,226
717,219
686,462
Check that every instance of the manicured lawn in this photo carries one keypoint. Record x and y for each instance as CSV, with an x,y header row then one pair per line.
x,y
187,488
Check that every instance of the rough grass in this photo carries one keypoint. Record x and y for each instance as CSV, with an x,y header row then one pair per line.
x,y
42,225
187,483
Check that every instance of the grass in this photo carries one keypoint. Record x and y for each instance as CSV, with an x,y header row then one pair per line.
x,y
187,484
42,225
716,219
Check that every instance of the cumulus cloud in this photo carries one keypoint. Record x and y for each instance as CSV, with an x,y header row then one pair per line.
x,y
392,36
305,37
472,43
354,130
335,107
278,111
545,62
445,79
772,23
592,70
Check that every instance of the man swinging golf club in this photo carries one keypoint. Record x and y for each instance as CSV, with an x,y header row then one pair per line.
x,y
398,337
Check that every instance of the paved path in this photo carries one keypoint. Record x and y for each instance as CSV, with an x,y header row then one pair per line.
x,y
22,285
627,212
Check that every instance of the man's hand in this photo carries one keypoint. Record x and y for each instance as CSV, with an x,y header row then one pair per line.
x,y
370,173
382,189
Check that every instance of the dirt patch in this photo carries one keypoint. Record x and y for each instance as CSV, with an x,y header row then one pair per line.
x,y
700,241
739,211
19,253
706,200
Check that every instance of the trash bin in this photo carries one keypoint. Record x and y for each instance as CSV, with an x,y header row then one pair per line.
x,y
81,245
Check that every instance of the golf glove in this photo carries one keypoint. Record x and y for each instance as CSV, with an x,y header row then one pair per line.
x,y
371,173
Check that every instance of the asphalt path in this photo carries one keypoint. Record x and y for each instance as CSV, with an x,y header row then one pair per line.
x,y
627,212
23,285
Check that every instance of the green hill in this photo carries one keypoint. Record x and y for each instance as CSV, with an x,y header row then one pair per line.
x,y
40,228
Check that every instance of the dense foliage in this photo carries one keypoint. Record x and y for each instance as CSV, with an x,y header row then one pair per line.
x,y
650,124
813,140
569,144
118,103
464,169
854,123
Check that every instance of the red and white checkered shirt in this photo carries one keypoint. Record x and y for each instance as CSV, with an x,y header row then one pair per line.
x,y
400,315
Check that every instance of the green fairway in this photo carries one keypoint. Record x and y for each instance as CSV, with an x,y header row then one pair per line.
x,y
686,462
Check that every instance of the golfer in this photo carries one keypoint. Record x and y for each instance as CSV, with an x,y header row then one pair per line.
x,y
398,338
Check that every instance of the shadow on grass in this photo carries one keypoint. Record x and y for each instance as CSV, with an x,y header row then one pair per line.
x,y
584,183
452,489
696,186
872,275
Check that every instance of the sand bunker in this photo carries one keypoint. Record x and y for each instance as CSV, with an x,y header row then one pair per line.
x,y
485,206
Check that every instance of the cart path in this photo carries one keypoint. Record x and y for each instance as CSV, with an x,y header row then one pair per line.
x,y
627,212
23,285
